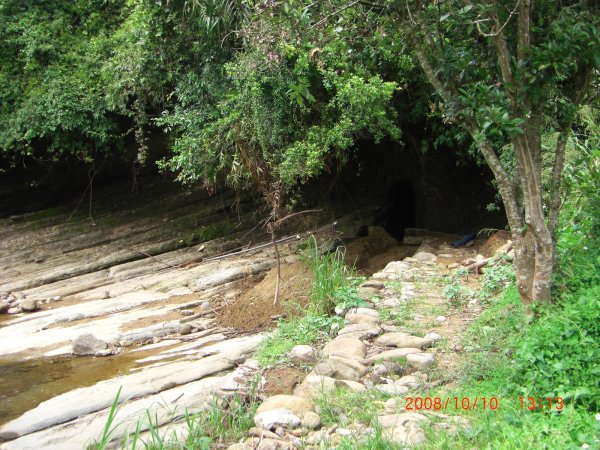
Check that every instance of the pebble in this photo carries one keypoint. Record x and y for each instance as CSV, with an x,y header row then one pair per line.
x,y
186,312
441,318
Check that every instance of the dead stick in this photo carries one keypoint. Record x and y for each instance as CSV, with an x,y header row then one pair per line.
x,y
274,242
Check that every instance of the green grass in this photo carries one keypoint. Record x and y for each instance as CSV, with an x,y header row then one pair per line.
x,y
226,420
332,284
343,406
107,431
497,363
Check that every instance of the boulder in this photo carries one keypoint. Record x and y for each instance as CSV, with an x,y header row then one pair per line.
x,y
88,344
391,389
315,385
433,336
394,420
352,385
389,367
409,380
29,305
396,267
268,444
297,405
361,318
392,354
4,307
341,369
303,354
420,360
373,284
342,346
311,420
277,417
402,340
185,328
240,446
366,330
425,257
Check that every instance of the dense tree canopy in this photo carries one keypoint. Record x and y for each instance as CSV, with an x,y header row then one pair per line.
x,y
273,93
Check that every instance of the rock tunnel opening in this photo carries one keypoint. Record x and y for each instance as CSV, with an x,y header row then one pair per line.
x,y
400,212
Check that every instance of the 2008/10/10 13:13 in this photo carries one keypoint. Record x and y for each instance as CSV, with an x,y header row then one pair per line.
x,y
533,403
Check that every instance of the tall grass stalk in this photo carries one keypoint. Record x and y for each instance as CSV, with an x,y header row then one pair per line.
x,y
108,429
330,276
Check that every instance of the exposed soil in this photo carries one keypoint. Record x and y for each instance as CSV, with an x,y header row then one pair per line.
x,y
494,242
281,380
254,310
372,252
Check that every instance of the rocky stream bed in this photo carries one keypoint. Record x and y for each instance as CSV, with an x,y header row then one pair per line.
x,y
135,297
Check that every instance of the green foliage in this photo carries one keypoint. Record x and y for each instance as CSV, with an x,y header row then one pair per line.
x,y
332,290
498,274
330,286
559,354
578,240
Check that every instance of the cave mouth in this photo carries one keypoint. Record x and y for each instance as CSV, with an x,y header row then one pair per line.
x,y
399,212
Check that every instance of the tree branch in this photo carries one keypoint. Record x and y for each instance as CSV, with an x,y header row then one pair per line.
x,y
558,165
523,29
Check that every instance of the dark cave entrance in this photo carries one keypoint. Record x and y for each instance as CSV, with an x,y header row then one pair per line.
x,y
400,212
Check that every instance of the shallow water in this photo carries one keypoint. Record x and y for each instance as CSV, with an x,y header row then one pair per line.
x,y
25,384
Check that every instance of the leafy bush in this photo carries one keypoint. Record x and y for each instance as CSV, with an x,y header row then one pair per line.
x,y
497,276
559,353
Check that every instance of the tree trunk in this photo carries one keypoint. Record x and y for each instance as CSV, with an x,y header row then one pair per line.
x,y
527,148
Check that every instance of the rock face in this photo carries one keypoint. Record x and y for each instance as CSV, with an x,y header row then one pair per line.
x,y
88,344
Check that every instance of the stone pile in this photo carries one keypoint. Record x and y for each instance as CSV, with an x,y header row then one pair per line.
x,y
367,353
16,303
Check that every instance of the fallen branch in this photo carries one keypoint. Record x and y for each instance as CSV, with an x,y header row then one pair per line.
x,y
477,265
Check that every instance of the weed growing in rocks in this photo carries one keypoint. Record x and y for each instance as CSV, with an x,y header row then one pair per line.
x,y
307,329
331,284
343,406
